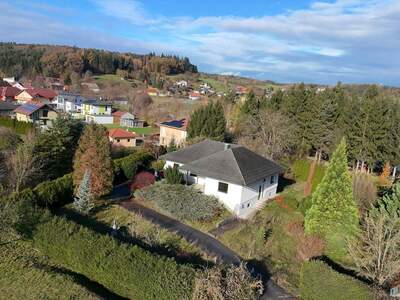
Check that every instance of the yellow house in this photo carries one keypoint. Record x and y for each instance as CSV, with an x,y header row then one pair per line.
x,y
173,131
37,113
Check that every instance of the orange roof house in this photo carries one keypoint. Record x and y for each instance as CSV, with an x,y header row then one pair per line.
x,y
121,138
36,94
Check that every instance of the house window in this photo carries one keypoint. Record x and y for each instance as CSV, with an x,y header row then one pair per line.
x,y
118,140
193,175
176,165
222,187
272,179
129,140
45,113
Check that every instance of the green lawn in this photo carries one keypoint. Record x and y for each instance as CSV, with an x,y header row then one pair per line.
x,y
145,130
25,274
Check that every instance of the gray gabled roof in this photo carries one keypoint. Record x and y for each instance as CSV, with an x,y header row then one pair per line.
x,y
226,162
195,152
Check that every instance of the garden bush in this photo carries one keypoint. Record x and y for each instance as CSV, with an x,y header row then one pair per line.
x,y
183,202
125,168
142,180
319,281
126,270
172,175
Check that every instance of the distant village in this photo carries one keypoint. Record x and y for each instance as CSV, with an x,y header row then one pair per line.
x,y
41,106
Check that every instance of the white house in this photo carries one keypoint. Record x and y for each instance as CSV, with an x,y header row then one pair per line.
x,y
181,84
68,102
241,179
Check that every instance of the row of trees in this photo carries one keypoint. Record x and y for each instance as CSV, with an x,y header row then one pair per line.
x,y
304,121
60,61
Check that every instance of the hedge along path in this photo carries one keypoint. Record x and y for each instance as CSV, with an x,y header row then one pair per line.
x,y
128,271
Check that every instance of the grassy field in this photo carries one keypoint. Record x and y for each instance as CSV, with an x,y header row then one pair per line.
x,y
25,274
113,79
145,130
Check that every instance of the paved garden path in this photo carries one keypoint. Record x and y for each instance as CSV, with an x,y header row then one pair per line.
x,y
204,241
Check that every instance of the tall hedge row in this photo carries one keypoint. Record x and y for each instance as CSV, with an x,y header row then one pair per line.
x,y
126,270
125,168
319,281
50,194
19,127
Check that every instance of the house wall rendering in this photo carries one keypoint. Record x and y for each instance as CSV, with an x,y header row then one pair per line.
x,y
169,134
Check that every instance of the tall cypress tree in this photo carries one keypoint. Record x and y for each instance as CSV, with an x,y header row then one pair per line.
x,y
94,154
333,213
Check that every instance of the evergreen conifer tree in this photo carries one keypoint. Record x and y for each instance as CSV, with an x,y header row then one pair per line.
x,y
333,214
390,203
83,198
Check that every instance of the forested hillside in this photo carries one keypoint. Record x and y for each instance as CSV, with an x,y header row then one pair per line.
x,y
62,61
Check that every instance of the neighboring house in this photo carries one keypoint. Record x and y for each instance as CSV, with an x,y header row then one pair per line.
x,y
8,93
11,81
97,111
7,109
37,95
173,131
241,179
152,91
241,90
117,116
121,138
129,120
195,95
120,101
68,102
36,112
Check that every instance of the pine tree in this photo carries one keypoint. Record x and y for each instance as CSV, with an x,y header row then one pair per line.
x,y
333,213
83,199
390,203
94,154
208,122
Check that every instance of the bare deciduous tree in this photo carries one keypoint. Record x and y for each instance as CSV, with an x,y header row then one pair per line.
x,y
376,254
267,133
22,164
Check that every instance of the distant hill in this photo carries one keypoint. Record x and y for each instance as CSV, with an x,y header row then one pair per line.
x,y
62,61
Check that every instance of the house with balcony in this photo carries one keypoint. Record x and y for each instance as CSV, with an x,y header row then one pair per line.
x,y
242,180
97,111
40,114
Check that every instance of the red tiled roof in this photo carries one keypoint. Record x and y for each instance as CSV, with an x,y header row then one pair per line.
x,y
118,113
120,133
9,91
195,94
152,90
45,93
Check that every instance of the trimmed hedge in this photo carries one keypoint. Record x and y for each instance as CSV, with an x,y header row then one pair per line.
x,y
319,281
301,169
126,168
17,126
183,202
126,270
50,194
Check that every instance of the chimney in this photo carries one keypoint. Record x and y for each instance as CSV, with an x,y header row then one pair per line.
x,y
227,146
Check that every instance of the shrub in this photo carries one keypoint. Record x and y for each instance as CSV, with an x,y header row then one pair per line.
x,y
185,203
158,165
231,283
319,281
55,193
126,270
173,175
142,180
125,168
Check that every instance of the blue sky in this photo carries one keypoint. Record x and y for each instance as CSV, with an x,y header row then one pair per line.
x,y
354,41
